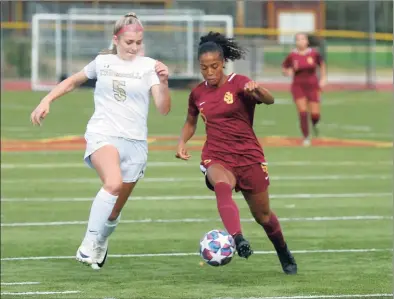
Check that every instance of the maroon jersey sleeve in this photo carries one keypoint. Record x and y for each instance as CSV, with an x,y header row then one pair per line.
x,y
319,58
287,63
192,109
241,81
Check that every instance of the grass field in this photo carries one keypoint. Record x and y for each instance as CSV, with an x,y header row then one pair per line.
x,y
334,202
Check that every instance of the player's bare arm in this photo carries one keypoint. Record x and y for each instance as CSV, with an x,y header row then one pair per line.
x,y
188,130
161,92
259,93
323,77
66,86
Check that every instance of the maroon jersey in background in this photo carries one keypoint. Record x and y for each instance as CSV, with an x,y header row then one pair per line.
x,y
304,66
228,116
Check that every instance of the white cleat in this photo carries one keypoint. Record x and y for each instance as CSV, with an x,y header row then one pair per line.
x,y
306,142
100,252
85,254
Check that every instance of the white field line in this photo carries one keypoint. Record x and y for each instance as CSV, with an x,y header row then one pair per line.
x,y
199,220
38,293
19,283
16,129
367,135
183,164
45,153
316,296
204,197
317,177
353,128
177,254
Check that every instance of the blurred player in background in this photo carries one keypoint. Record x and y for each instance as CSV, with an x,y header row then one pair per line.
x,y
301,65
232,156
116,135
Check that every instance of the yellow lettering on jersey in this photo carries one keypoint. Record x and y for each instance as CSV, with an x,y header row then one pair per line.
x,y
265,168
206,161
228,97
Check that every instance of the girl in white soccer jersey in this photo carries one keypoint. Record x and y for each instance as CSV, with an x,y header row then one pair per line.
x,y
116,135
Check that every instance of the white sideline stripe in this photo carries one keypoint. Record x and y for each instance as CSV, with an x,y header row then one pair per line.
x,y
38,293
19,283
195,179
198,220
182,164
197,197
175,254
314,296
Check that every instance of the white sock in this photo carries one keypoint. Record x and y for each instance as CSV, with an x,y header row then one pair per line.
x,y
108,229
100,211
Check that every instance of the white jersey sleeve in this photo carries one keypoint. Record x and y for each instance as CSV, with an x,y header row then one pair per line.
x,y
153,78
90,70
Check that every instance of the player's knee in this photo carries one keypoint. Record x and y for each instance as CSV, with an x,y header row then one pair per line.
x,y
262,217
113,186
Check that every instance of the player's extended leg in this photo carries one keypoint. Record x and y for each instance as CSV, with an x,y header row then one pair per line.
x,y
124,195
300,98
223,182
314,108
110,225
302,108
260,208
107,164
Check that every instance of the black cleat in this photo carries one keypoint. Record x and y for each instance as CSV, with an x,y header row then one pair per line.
x,y
287,260
242,246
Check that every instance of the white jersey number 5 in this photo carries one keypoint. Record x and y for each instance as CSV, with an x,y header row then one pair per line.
x,y
119,91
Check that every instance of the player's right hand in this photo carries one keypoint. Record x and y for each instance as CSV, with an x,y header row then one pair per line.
x,y
182,152
39,113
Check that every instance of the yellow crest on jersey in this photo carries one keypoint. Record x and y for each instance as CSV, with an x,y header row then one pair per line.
x,y
228,97
309,60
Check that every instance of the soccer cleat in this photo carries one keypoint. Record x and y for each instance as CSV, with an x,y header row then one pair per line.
x,y
287,260
242,246
84,254
100,252
306,142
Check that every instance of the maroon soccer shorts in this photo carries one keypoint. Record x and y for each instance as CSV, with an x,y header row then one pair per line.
x,y
309,91
251,178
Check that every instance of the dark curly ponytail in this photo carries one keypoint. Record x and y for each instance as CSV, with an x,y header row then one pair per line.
x,y
313,41
216,42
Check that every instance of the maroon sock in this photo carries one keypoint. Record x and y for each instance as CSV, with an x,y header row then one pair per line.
x,y
228,209
274,231
315,118
304,124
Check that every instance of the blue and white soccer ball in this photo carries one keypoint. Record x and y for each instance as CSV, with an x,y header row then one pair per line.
x,y
217,248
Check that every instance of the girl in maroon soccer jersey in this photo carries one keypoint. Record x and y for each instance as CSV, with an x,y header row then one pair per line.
x,y
301,64
232,157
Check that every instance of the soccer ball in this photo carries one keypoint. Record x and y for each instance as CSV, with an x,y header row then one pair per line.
x,y
217,248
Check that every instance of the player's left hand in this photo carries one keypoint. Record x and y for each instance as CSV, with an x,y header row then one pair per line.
x,y
162,71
